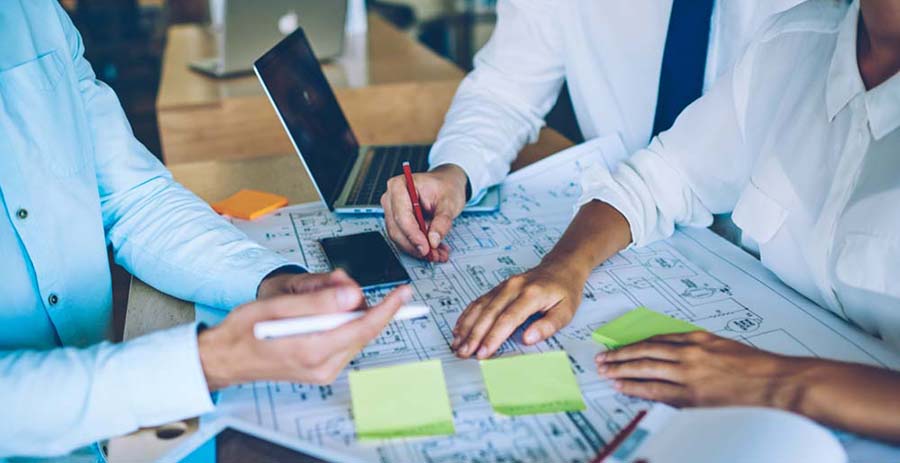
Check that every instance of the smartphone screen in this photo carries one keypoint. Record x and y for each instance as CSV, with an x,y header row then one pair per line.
x,y
367,258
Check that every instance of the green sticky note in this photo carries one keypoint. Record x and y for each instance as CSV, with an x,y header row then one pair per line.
x,y
534,383
401,401
637,325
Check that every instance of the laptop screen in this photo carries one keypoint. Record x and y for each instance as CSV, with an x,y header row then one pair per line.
x,y
292,77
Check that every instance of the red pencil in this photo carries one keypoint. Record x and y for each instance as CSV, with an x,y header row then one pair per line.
x,y
619,438
417,208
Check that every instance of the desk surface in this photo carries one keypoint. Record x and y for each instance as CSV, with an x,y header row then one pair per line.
x,y
383,55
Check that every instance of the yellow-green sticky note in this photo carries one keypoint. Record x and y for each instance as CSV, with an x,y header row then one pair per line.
x,y
401,401
637,325
533,383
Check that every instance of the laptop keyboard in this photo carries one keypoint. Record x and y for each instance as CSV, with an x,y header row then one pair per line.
x,y
387,162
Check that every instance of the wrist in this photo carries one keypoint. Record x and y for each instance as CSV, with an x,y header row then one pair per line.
x,y
456,177
213,360
791,385
275,279
564,263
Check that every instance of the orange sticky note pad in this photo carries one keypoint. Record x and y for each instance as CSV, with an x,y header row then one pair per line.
x,y
250,204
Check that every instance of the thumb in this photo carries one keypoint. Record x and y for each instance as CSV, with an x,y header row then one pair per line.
x,y
440,227
552,321
330,299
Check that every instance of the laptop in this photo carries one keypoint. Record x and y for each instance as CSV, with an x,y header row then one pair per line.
x,y
244,29
349,178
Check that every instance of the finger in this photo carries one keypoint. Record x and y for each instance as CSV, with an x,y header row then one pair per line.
x,y
441,254
486,317
649,350
440,227
468,317
405,218
643,369
554,320
658,391
326,300
683,338
306,282
507,322
329,370
394,233
354,335
340,276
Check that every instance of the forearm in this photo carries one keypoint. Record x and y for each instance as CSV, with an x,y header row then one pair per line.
x,y
850,396
58,400
169,238
597,232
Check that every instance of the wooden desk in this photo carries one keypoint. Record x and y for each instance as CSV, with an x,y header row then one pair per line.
x,y
202,118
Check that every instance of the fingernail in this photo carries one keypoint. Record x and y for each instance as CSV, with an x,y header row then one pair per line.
x,y
423,250
347,296
600,357
531,337
464,350
406,294
482,353
617,384
602,369
454,342
434,238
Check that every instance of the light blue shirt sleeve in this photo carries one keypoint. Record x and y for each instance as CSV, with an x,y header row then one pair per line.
x,y
71,175
160,231
55,401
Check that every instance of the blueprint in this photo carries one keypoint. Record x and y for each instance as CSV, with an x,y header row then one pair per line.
x,y
694,276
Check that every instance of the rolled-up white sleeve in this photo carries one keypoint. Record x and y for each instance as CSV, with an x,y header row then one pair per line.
x,y
500,106
694,170
101,391
159,231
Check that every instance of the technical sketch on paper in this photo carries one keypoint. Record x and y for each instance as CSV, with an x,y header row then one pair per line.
x,y
694,276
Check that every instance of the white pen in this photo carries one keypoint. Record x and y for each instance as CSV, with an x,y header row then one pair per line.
x,y
315,323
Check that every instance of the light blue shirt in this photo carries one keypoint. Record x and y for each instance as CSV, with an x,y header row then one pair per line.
x,y
73,179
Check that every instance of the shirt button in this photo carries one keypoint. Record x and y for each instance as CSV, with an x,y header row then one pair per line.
x,y
53,299
22,214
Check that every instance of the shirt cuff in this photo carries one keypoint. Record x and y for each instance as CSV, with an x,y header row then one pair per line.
x,y
164,377
242,283
475,164
597,184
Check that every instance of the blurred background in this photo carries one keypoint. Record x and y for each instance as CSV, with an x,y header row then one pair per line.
x,y
125,39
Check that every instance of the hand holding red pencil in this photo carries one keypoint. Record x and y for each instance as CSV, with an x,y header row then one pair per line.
x,y
441,193
417,208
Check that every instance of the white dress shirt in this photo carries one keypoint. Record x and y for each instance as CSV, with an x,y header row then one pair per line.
x,y
807,159
73,180
608,52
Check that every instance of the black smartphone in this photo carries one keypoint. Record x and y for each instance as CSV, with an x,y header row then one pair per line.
x,y
367,258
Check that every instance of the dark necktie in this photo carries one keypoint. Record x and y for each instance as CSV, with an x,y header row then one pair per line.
x,y
684,60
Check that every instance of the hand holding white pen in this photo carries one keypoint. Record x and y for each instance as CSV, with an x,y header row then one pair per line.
x,y
315,323
231,353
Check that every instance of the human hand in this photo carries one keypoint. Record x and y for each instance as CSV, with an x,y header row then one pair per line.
x,y
231,354
554,289
292,283
442,195
701,369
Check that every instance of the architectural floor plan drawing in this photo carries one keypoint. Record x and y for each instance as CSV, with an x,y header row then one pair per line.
x,y
695,276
